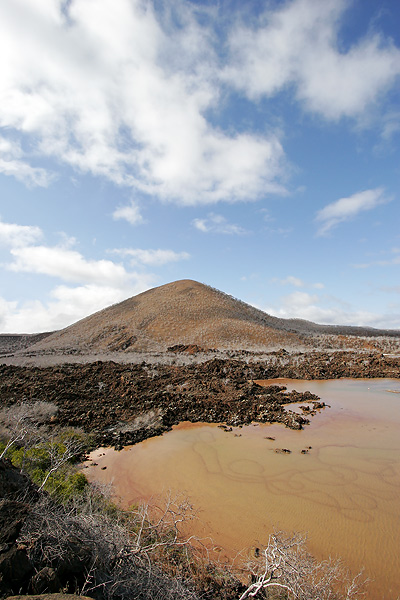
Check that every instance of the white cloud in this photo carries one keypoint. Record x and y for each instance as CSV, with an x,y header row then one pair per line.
x,y
330,311
116,91
121,91
395,260
217,224
16,236
391,125
283,231
347,208
68,265
31,176
151,257
65,306
100,282
299,45
299,302
11,164
297,282
130,213
290,280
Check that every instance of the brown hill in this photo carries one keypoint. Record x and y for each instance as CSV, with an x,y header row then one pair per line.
x,y
183,312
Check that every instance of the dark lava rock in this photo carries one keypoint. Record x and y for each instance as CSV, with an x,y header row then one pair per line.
x,y
105,398
15,570
45,580
15,566
26,567
12,517
13,484
219,391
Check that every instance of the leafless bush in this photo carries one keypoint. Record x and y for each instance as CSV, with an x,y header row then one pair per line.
x,y
19,423
286,565
107,554
96,549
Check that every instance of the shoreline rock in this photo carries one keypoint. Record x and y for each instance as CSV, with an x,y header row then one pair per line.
x,y
121,404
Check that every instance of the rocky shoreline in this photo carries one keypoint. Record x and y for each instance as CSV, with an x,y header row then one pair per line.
x,y
120,404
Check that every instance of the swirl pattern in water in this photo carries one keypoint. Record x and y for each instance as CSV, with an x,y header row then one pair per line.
x,y
338,479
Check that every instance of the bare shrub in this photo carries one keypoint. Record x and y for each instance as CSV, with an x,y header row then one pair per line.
x,y
286,566
18,423
97,551
95,548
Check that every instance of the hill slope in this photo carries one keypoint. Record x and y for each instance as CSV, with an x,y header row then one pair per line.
x,y
183,312
19,341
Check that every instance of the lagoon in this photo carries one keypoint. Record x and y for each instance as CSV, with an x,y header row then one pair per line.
x,y
344,489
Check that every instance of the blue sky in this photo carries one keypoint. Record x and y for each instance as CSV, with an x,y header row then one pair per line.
x,y
252,146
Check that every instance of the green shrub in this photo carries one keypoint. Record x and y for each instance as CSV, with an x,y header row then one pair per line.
x,y
66,485
39,461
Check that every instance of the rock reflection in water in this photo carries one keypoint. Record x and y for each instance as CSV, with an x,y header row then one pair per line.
x,y
344,489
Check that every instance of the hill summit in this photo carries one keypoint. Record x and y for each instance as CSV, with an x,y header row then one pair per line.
x,y
184,313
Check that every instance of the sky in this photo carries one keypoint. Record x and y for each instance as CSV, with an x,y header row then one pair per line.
x,y
249,145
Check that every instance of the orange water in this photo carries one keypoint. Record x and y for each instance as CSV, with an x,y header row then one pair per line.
x,y
345,492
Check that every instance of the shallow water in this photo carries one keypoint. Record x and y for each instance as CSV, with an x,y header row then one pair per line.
x,y
345,492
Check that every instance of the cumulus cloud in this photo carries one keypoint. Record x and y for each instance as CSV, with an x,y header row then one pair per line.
x,y
100,282
15,236
125,91
11,163
217,224
93,284
347,208
68,265
116,90
330,311
151,257
130,213
299,45
22,171
65,306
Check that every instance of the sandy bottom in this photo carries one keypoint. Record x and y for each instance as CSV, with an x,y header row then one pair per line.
x,y
345,491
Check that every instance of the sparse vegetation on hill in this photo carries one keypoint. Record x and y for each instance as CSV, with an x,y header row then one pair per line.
x,y
190,313
15,342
